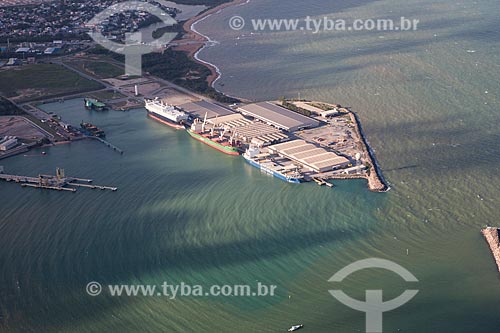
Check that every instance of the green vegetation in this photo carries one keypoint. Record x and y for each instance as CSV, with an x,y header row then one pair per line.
x,y
7,108
176,28
177,67
100,69
323,106
180,69
294,108
43,80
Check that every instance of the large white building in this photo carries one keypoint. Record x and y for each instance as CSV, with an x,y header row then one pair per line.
x,y
278,116
201,108
8,144
315,158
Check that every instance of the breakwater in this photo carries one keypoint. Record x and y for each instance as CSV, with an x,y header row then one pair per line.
x,y
376,181
491,236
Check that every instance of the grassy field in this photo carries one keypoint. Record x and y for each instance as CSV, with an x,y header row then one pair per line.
x,y
174,66
99,69
42,81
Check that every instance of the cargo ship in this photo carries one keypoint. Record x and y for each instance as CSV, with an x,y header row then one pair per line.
x,y
262,162
213,138
94,104
165,113
92,130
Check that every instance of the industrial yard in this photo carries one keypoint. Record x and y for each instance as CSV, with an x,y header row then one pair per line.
x,y
295,140
281,140
20,127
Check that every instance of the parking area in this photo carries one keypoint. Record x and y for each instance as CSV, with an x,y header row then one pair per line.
x,y
339,135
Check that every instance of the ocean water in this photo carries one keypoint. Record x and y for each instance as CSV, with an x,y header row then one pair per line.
x,y
184,212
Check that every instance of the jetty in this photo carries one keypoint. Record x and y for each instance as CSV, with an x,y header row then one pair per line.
x,y
108,144
491,236
57,182
320,181
376,181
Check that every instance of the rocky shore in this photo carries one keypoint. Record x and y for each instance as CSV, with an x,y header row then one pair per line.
x,y
376,181
491,236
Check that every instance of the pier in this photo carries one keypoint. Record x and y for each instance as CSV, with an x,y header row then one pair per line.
x,y
110,145
59,182
320,181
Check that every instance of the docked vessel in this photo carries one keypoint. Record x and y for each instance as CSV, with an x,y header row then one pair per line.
x,y
261,161
94,104
166,113
213,138
92,130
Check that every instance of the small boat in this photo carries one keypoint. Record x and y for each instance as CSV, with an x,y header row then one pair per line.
x,y
295,328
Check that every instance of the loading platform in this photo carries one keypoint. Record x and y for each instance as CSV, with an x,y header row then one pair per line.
x,y
58,182
322,182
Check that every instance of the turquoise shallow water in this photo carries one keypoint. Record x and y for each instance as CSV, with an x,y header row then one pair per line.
x,y
185,212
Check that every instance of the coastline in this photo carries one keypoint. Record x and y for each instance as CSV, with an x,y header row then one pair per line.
x,y
492,237
376,181
198,41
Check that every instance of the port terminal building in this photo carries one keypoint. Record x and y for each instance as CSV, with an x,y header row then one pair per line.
x,y
278,116
199,109
312,157
249,131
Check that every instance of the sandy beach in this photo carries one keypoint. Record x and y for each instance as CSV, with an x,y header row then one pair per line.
x,y
192,41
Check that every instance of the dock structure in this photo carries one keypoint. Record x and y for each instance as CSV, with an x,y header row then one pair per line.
x,y
110,145
59,182
321,182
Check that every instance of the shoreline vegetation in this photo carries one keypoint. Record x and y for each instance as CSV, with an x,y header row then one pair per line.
x,y
178,63
7,108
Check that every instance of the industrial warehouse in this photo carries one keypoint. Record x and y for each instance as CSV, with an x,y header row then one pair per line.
x,y
278,141
234,124
249,131
278,116
310,156
200,109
